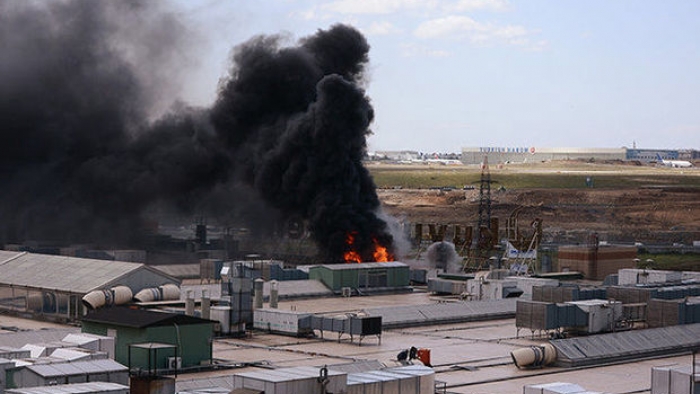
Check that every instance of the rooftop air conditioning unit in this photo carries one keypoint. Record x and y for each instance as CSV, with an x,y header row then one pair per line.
x,y
174,362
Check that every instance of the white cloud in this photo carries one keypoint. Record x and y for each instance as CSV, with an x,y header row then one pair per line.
x,y
460,27
381,28
307,15
437,19
377,6
413,50
448,26
476,5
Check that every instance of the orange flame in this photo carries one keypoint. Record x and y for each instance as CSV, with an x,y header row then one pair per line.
x,y
351,256
381,255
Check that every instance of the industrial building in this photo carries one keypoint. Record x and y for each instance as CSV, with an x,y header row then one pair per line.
x,y
53,287
531,154
364,277
156,340
463,335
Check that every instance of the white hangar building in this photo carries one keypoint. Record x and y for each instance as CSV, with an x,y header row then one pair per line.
x,y
53,287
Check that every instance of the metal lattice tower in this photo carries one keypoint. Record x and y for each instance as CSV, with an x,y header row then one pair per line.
x,y
485,196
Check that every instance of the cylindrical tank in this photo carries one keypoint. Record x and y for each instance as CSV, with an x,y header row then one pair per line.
x,y
534,356
189,304
206,305
258,293
274,293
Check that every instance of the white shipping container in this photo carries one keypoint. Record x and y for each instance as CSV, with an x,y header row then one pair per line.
x,y
276,320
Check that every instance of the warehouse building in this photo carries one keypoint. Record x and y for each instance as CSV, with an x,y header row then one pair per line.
x,y
52,287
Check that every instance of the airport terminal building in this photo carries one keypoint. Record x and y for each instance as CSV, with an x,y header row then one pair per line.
x,y
531,154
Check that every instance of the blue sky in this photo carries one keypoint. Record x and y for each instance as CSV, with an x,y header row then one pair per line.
x,y
449,74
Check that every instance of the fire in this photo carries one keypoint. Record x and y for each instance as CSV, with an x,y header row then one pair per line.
x,y
351,256
380,253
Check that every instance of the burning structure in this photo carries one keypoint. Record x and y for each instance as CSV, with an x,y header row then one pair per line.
x,y
84,161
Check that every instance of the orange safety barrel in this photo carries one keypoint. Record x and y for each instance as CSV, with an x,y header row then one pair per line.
x,y
424,356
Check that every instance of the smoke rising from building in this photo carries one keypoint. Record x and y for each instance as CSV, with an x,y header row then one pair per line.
x,y
81,83
444,256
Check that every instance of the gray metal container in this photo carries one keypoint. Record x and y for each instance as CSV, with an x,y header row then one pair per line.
x,y
365,325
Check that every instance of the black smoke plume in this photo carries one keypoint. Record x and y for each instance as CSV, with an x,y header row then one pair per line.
x,y
82,159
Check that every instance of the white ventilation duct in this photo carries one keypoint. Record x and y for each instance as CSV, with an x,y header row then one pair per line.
x,y
117,295
534,356
166,292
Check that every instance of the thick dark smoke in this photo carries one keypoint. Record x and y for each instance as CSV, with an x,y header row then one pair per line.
x,y
82,159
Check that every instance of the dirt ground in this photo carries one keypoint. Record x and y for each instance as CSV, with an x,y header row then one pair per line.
x,y
647,215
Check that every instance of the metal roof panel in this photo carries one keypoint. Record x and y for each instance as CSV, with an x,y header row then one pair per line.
x,y
61,273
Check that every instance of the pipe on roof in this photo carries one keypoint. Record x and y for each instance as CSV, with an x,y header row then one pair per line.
x,y
117,295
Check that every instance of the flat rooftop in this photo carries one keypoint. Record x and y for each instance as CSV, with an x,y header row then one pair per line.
x,y
470,357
